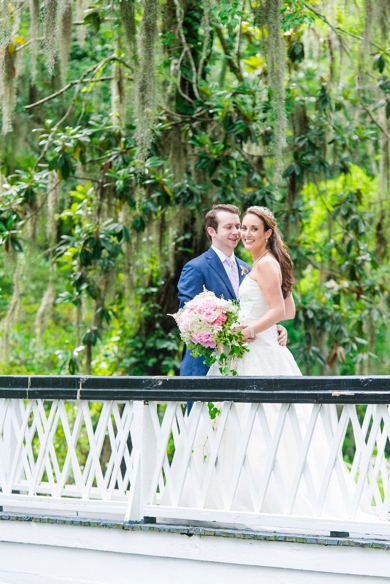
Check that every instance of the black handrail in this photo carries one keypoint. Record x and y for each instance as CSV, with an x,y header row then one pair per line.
x,y
343,390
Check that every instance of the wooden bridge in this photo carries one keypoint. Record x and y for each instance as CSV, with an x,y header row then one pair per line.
x,y
107,478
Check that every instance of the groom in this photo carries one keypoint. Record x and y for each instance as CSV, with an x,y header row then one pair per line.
x,y
218,270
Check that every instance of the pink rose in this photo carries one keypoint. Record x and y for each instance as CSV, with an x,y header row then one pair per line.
x,y
220,320
209,316
206,340
207,304
194,337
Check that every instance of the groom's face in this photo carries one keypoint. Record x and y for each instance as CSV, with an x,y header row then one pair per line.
x,y
227,236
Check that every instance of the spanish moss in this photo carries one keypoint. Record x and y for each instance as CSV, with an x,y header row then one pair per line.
x,y
127,12
8,73
368,14
118,95
66,39
44,313
53,198
81,5
146,99
6,18
12,314
382,14
34,35
276,73
51,33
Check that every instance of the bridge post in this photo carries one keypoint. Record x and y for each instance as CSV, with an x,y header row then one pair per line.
x,y
144,457
9,443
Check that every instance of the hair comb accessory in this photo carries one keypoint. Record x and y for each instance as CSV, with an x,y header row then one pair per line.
x,y
263,210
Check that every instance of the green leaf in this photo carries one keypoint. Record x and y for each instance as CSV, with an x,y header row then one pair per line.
x,y
379,62
296,52
16,244
139,223
29,194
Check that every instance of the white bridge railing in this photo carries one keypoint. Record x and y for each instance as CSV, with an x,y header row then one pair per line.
x,y
286,453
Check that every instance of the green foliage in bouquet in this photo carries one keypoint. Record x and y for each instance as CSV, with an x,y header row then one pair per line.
x,y
230,346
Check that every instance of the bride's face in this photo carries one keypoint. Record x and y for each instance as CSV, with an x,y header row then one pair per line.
x,y
254,233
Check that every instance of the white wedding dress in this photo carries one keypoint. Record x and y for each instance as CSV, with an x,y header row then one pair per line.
x,y
266,356
275,477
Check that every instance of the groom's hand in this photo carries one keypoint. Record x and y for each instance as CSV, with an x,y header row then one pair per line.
x,y
282,335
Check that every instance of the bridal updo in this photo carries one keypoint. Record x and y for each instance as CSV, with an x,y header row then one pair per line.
x,y
276,246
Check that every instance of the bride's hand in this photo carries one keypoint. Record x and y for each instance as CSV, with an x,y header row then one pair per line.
x,y
244,328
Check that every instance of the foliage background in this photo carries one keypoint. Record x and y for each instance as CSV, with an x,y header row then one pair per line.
x,y
123,122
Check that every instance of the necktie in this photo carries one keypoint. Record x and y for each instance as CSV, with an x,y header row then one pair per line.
x,y
233,274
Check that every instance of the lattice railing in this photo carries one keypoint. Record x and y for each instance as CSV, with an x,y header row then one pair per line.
x,y
318,466
58,450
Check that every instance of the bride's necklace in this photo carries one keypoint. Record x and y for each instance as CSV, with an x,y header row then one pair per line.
x,y
262,255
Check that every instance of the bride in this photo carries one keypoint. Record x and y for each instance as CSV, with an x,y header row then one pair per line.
x,y
273,483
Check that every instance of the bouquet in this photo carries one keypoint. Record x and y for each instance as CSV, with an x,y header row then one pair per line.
x,y
206,326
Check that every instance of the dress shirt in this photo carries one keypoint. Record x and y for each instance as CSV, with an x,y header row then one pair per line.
x,y
222,256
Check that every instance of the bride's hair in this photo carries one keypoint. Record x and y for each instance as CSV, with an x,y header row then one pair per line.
x,y
276,247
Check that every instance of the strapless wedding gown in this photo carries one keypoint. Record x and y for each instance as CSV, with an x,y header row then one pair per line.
x,y
267,358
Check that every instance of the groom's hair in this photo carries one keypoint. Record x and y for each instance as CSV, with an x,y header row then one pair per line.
x,y
211,219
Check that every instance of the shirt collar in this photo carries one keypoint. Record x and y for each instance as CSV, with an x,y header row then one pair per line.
x,y
222,256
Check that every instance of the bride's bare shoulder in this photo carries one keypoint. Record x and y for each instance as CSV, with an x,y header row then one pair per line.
x,y
267,268
267,263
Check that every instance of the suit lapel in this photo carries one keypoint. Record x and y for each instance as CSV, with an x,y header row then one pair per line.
x,y
241,275
216,264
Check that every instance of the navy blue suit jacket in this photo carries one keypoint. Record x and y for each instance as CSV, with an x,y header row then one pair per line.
x,y
205,270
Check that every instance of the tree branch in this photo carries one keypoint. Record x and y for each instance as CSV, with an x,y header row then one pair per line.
x,y
43,202
28,43
339,29
179,12
179,75
186,116
234,68
92,70
359,90
68,86
238,38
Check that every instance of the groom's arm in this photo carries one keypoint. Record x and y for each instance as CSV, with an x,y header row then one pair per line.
x,y
190,284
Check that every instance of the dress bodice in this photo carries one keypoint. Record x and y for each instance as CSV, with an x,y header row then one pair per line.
x,y
253,305
265,357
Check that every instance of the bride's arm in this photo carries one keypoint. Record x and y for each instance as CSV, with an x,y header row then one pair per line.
x,y
289,306
268,278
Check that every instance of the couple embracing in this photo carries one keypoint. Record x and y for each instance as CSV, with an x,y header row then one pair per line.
x,y
264,289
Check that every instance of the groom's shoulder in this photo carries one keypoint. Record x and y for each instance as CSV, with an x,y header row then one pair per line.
x,y
199,261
